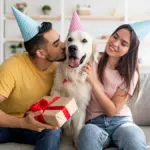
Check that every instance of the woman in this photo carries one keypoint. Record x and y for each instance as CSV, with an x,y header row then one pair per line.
x,y
114,80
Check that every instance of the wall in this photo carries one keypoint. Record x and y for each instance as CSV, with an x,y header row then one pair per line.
x,y
33,9
141,8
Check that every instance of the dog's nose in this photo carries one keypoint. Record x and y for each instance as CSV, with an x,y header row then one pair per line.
x,y
72,49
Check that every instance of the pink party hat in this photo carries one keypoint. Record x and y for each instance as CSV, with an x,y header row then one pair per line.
x,y
75,24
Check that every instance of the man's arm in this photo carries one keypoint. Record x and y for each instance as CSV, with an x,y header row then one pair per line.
x,y
8,120
28,122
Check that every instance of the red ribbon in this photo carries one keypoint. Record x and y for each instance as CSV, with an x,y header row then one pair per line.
x,y
66,80
45,105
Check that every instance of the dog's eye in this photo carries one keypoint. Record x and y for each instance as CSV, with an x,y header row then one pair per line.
x,y
70,39
84,41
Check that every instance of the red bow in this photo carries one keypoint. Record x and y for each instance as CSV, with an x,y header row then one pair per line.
x,y
66,80
45,105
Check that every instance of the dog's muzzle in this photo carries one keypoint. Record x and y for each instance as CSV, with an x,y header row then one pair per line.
x,y
72,50
74,61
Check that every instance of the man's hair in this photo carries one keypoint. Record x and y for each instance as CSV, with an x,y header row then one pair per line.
x,y
38,41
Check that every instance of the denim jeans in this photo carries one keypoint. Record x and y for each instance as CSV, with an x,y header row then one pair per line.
x,y
45,140
119,131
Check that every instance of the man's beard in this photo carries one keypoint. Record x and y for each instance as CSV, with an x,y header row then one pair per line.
x,y
62,59
56,60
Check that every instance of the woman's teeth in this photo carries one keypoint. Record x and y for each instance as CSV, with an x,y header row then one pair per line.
x,y
111,48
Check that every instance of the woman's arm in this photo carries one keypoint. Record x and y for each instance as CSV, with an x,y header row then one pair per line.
x,y
110,106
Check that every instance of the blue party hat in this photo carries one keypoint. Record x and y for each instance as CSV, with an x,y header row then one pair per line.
x,y
141,28
28,27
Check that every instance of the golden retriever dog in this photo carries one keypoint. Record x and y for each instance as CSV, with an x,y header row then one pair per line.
x,y
71,81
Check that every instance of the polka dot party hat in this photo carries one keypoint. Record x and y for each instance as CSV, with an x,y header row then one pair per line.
x,y
28,27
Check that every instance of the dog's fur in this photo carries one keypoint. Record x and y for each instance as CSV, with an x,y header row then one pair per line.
x,y
71,81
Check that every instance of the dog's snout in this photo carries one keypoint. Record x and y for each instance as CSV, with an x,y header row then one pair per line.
x,y
72,49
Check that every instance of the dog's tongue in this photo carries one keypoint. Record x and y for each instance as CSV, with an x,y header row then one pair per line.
x,y
74,62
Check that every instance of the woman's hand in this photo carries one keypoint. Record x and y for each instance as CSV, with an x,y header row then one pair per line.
x,y
91,71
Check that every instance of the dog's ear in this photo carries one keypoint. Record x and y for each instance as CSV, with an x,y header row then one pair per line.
x,y
95,54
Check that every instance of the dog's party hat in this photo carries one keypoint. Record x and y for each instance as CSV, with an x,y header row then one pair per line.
x,y
28,27
141,28
75,24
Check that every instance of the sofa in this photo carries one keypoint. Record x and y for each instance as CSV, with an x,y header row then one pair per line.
x,y
140,108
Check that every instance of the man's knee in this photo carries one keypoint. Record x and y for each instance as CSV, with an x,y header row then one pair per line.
x,y
4,135
52,133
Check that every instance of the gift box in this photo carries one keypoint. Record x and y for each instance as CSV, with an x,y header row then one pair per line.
x,y
56,110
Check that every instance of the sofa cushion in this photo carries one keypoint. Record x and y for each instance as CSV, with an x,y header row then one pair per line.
x,y
140,106
146,130
15,146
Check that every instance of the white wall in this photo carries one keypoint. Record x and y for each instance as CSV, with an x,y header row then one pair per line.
x,y
141,8
99,8
33,9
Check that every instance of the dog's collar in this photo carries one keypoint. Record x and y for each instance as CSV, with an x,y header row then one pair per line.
x,y
67,80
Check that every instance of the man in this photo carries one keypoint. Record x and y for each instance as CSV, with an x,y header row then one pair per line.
x,y
24,79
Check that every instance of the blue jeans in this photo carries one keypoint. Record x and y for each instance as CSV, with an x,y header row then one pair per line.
x,y
103,131
45,140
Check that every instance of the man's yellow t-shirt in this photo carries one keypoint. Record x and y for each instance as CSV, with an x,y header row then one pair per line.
x,y
23,84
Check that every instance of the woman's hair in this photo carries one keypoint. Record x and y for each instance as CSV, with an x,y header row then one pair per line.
x,y
128,63
38,41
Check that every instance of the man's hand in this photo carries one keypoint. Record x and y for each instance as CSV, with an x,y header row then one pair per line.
x,y
30,123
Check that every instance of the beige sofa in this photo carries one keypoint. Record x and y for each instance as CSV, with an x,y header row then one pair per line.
x,y
141,113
